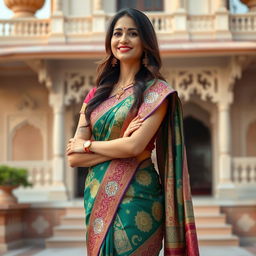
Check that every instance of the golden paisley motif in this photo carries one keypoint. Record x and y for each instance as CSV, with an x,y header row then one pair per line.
x,y
129,195
89,177
143,221
143,178
94,186
157,211
136,237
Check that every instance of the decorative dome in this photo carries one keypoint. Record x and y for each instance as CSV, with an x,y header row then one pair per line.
x,y
24,8
251,4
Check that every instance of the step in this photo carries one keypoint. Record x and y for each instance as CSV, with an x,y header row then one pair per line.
x,y
214,229
212,209
69,230
75,210
65,242
218,240
73,220
205,218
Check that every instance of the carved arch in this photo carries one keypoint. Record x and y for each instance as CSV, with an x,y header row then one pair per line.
x,y
15,122
27,143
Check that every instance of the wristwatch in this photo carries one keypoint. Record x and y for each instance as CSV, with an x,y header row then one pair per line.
x,y
87,145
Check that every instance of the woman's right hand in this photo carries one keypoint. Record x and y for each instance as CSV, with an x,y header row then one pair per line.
x,y
134,125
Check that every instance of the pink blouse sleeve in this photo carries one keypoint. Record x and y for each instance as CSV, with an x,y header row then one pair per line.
x,y
88,97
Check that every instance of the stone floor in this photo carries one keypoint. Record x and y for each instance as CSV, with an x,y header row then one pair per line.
x,y
204,251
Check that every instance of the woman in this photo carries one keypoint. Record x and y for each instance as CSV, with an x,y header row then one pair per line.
x,y
128,207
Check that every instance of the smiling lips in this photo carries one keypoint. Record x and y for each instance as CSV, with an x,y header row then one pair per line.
x,y
124,48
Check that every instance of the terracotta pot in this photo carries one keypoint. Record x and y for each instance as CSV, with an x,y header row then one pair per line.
x,y
251,4
24,8
6,196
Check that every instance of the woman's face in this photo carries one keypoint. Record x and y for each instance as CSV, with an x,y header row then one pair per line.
x,y
126,44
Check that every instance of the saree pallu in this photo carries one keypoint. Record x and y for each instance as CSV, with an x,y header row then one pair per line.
x,y
128,209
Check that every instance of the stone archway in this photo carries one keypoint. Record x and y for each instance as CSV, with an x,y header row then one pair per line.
x,y
199,154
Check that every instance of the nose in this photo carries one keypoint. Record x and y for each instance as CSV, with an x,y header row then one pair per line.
x,y
124,38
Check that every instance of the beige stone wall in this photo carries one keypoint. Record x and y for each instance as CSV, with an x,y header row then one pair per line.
x,y
25,127
243,114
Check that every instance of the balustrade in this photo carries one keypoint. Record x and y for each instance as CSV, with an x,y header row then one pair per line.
x,y
24,28
244,170
243,22
201,23
78,25
242,26
161,22
39,172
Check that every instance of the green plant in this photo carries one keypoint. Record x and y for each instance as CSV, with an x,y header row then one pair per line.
x,y
13,176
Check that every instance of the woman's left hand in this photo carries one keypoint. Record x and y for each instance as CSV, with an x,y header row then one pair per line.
x,y
75,145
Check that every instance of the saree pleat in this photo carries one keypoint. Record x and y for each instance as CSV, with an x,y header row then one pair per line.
x,y
128,206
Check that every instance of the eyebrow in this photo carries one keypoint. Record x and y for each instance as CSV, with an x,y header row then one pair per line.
x,y
128,29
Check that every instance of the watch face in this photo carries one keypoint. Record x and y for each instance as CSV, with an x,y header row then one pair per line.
x,y
87,144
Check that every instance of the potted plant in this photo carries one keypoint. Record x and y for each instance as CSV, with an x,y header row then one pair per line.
x,y
11,178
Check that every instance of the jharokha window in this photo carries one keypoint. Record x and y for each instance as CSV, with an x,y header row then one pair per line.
x,y
142,5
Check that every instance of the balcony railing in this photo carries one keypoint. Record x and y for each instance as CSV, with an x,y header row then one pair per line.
x,y
244,170
24,28
39,172
241,26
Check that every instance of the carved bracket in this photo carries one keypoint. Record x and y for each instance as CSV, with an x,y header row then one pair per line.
x,y
77,84
41,68
199,81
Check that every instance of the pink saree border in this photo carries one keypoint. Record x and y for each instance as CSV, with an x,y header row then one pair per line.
x,y
121,172
157,93
152,246
110,102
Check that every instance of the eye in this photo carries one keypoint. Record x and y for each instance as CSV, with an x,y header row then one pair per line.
x,y
117,34
133,34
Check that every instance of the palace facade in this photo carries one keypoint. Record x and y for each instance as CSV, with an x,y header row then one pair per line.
x,y
48,65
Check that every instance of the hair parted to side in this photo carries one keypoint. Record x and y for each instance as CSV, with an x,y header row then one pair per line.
x,y
108,75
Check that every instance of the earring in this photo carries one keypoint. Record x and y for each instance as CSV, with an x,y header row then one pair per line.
x,y
114,62
145,60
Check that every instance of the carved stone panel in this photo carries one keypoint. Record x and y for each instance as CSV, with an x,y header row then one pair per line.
x,y
77,84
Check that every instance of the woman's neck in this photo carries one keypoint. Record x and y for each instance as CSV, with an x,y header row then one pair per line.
x,y
127,73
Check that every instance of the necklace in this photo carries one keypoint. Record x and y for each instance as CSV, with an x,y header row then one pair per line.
x,y
120,90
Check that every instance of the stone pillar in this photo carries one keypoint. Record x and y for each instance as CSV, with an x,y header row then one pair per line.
x,y
225,187
222,31
57,7
222,4
57,27
98,18
180,21
224,143
58,191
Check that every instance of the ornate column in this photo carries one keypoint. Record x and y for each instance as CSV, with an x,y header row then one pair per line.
x,y
222,31
57,7
224,139
56,100
97,6
98,19
226,80
222,4
57,26
180,28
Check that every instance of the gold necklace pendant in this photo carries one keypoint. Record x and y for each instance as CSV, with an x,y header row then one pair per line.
x,y
119,92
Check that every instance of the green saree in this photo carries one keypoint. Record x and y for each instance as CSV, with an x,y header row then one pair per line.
x,y
128,209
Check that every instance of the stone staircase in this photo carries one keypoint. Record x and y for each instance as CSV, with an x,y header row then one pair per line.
x,y
211,227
